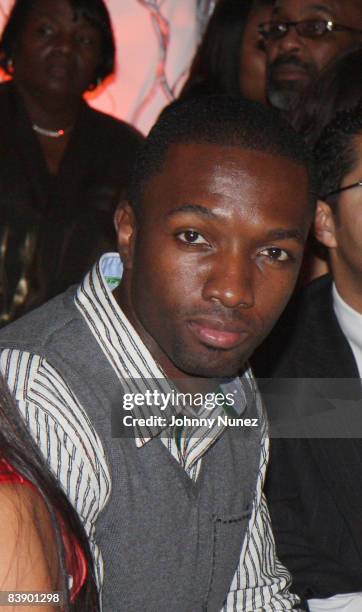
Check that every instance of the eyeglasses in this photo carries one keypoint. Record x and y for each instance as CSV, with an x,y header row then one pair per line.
x,y
331,193
309,28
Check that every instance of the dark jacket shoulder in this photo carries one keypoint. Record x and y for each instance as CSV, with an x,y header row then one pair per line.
x,y
113,128
306,339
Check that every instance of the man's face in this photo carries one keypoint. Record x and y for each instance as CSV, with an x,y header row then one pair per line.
x,y
294,61
215,255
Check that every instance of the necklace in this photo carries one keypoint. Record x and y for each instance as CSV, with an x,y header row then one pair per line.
x,y
49,133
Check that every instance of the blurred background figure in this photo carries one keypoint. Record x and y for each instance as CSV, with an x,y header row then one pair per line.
x,y
42,541
338,88
64,165
231,56
301,38
144,83
313,362
316,345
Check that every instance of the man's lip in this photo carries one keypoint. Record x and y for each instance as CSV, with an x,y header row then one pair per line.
x,y
59,69
218,334
286,72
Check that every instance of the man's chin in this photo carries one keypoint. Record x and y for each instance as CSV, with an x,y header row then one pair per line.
x,y
286,98
213,368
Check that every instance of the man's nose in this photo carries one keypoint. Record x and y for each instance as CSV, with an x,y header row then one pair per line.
x,y
63,42
230,282
291,43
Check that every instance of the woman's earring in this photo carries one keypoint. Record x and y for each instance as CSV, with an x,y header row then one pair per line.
x,y
10,66
93,86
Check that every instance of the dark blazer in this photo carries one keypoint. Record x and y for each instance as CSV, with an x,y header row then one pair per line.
x,y
314,483
53,228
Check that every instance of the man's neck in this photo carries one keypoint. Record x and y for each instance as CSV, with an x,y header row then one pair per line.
x,y
50,112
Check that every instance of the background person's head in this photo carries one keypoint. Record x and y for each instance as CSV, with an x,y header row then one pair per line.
x,y
213,236
339,212
337,89
231,56
302,38
62,46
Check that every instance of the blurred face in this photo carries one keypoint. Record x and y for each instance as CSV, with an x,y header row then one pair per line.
x,y
347,256
294,61
57,53
215,255
252,56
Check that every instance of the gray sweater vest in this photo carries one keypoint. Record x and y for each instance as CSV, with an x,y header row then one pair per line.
x,y
168,544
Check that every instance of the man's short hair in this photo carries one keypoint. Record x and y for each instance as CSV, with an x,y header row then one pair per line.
x,y
220,120
93,11
335,151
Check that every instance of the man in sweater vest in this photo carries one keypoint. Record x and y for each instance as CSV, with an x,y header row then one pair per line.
x,y
136,386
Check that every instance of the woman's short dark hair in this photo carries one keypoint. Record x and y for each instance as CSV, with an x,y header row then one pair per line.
x,y
338,88
94,11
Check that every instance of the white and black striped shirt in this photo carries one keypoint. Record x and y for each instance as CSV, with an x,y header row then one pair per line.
x,y
72,448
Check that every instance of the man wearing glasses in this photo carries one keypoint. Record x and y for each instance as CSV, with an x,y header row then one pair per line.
x,y
314,485
303,37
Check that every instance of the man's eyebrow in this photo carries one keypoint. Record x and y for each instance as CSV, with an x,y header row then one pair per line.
x,y
193,208
320,8
286,234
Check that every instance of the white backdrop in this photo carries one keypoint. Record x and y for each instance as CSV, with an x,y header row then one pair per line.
x,y
156,40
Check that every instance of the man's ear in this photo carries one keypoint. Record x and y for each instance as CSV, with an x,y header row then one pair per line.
x,y
325,225
126,230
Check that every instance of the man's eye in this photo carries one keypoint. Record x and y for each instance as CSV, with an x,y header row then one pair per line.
x,y
276,254
45,30
85,40
192,237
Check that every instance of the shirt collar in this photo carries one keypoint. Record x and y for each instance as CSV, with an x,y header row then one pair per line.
x,y
349,319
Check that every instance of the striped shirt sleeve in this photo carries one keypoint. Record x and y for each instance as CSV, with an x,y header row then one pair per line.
x,y
261,582
63,433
